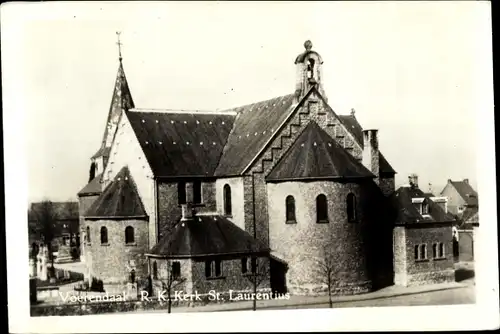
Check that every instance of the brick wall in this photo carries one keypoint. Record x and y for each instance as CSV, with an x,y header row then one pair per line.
x,y
465,246
387,185
301,245
169,210
109,262
233,278
431,270
84,203
184,283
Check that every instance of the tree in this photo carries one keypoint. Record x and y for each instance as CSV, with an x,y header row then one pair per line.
x,y
259,271
172,280
46,216
326,271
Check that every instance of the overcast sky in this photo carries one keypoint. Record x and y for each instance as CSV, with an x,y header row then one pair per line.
x,y
414,70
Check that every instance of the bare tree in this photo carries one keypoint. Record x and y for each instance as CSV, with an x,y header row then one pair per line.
x,y
171,281
259,271
326,271
46,216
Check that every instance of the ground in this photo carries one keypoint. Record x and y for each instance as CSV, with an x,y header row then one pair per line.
x,y
460,292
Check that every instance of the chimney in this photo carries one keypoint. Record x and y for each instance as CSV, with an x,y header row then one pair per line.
x,y
187,209
370,152
413,180
466,181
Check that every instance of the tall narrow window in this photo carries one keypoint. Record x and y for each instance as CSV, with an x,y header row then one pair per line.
x,y
244,265
321,209
351,207
290,210
435,251
129,235
155,270
310,69
213,268
181,192
104,235
197,192
417,252
423,252
425,208
228,210
218,268
176,270
88,234
254,265
441,250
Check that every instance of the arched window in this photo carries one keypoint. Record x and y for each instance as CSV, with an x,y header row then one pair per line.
x,y
227,200
155,270
435,251
441,250
310,68
88,234
129,235
321,209
423,252
104,235
290,210
92,172
351,208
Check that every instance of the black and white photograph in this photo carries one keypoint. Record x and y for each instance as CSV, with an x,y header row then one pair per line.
x,y
236,166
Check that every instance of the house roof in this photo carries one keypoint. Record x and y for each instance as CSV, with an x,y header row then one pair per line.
x,y
406,213
316,155
94,187
469,217
465,191
254,126
182,144
119,199
61,210
206,235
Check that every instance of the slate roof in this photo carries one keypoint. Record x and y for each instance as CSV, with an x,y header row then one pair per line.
x,y
119,199
315,155
465,191
253,127
405,211
182,144
206,235
352,125
94,187
469,217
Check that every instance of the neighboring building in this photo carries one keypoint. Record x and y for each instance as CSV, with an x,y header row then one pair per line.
x,y
423,240
66,223
460,196
287,175
463,203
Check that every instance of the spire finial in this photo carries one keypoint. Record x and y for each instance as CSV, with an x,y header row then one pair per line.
x,y
308,45
353,111
118,33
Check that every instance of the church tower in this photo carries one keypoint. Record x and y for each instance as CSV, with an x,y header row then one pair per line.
x,y
121,101
308,71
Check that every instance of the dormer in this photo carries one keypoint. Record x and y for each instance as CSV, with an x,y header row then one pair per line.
x,y
422,205
309,71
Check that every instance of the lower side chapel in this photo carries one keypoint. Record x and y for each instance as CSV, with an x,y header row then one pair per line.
x,y
284,193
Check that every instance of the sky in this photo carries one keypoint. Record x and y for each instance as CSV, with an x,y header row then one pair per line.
x,y
417,71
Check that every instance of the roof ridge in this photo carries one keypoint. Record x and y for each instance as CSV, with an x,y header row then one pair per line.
x,y
254,103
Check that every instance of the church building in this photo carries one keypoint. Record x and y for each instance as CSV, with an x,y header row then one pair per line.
x,y
285,186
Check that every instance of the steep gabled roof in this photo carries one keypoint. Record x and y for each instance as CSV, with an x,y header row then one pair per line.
x,y
182,144
207,235
94,187
254,126
120,199
353,126
465,191
405,211
316,155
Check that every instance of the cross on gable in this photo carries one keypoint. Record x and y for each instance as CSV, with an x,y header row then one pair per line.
x,y
119,43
